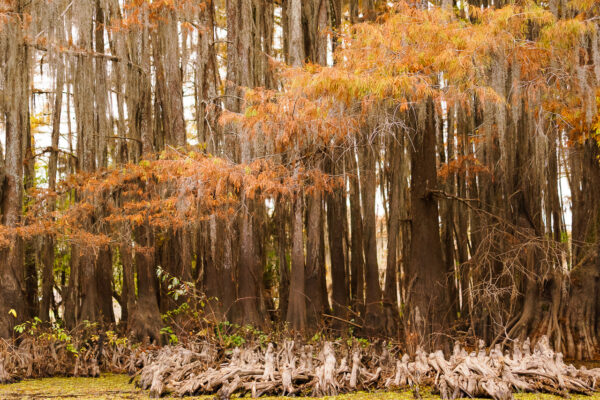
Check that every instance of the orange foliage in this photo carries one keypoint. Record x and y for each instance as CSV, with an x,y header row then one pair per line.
x,y
174,190
408,56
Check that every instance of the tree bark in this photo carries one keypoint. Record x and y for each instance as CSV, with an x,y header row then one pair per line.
x,y
144,317
428,302
315,271
16,122
335,230
169,78
368,176
101,90
390,293
282,248
217,281
296,313
296,41
357,258
580,314
104,285
83,287
48,257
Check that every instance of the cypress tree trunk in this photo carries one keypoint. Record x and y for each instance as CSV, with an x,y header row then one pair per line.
x,y
296,37
429,306
373,309
128,293
169,77
83,286
296,312
314,268
101,90
390,294
240,74
249,277
228,294
207,83
31,277
214,278
104,285
335,233
580,314
144,317
16,123
104,271
48,256
282,246
357,260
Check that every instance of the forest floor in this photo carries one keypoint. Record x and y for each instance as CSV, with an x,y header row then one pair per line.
x,y
117,387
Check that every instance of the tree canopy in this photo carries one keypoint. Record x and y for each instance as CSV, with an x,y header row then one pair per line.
x,y
414,170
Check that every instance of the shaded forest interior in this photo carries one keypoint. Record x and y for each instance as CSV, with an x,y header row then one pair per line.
x,y
409,169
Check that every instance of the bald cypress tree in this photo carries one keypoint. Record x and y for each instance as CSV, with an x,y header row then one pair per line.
x,y
15,106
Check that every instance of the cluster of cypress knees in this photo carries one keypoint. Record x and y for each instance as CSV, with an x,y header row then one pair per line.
x,y
331,368
321,368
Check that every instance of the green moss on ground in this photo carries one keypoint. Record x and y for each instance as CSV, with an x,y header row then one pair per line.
x,y
117,387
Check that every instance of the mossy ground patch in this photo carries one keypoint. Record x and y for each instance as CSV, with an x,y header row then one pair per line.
x,y
117,387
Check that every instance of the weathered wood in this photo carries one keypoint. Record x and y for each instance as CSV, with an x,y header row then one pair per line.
x,y
323,369
252,371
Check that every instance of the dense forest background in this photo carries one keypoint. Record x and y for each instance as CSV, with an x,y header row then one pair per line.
x,y
417,170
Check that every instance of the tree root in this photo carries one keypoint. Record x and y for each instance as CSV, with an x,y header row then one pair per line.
x,y
296,369
290,368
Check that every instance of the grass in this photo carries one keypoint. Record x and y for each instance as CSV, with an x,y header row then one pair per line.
x,y
116,387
